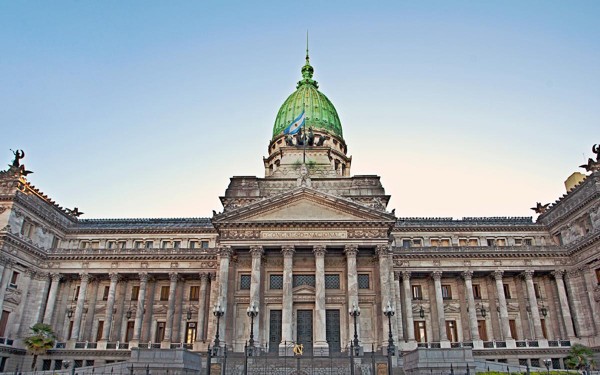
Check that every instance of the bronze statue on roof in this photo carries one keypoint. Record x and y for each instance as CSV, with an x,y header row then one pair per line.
x,y
540,208
593,166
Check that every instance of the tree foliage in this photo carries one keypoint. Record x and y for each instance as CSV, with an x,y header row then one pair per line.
x,y
580,357
41,340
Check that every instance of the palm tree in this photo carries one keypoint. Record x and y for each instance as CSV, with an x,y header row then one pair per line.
x,y
580,357
40,341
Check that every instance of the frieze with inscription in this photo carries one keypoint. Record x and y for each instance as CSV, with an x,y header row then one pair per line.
x,y
305,234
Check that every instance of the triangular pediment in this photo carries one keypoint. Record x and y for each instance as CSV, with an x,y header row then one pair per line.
x,y
304,205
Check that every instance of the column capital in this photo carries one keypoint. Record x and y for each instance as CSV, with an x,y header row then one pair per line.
x,y
173,276
528,274
30,273
436,275
114,277
288,251
144,277
56,276
204,276
467,275
406,275
225,252
256,251
319,250
382,250
498,275
351,250
558,274
397,275
85,277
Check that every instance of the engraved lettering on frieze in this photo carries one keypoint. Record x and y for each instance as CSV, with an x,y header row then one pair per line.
x,y
314,234
372,233
235,234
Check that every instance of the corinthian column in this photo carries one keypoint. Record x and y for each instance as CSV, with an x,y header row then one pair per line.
x,y
383,253
398,306
410,325
225,253
139,312
85,279
173,277
54,286
468,276
321,347
202,306
6,274
564,303
351,252
110,305
439,304
257,253
505,326
287,302
535,312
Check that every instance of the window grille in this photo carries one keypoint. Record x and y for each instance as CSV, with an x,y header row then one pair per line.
x,y
78,363
298,280
276,281
363,281
245,281
332,281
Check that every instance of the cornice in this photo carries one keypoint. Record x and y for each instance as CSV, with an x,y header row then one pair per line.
x,y
480,252
440,227
131,254
165,230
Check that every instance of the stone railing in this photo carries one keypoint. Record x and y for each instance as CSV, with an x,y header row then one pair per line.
x,y
479,249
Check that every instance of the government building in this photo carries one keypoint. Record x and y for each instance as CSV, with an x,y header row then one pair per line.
x,y
301,247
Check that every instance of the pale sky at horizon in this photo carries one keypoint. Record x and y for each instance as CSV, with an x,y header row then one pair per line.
x,y
146,109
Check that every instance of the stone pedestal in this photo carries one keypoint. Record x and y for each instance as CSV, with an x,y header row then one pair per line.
x,y
102,344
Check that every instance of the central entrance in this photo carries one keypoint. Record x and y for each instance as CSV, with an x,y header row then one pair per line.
x,y
304,329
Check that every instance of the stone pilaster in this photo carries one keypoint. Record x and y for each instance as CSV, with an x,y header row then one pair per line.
x,y
6,274
202,306
504,324
439,304
139,312
410,326
173,277
85,279
590,283
535,312
351,252
24,286
110,305
50,305
384,256
255,289
321,347
473,327
287,301
565,310
398,306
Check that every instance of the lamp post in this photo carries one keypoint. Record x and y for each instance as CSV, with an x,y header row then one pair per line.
x,y
547,363
354,313
218,311
389,312
544,310
252,312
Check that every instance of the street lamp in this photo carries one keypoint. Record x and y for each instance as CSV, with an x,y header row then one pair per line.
x,y
218,311
354,313
389,312
483,312
544,310
547,363
421,312
252,312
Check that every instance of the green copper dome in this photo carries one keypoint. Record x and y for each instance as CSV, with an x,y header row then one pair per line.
x,y
320,113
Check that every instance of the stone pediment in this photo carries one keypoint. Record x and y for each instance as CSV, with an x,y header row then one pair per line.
x,y
304,205
304,290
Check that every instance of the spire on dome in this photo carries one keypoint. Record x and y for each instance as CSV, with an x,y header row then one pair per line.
x,y
307,70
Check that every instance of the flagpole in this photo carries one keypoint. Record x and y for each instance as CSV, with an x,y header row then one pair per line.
x,y
304,137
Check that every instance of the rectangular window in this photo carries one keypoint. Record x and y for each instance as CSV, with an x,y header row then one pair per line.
x,y
13,280
451,330
55,241
528,242
491,242
105,294
598,275
417,243
149,244
4,322
137,244
513,329
204,244
481,327
298,280
46,363
135,292
506,291
110,244
164,292
194,293
363,281
176,244
160,331
417,292
99,330
165,244
190,332
420,331
76,294
406,243
192,244
58,364
129,330
536,289
245,281
501,242
476,291
275,281
518,241
332,281
446,292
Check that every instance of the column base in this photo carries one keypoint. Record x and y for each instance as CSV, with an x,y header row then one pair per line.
x,y
134,344
71,343
477,344
321,349
102,344
511,343
200,346
445,344
286,349
407,346
165,344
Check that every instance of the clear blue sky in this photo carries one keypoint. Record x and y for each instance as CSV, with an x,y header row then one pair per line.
x,y
146,108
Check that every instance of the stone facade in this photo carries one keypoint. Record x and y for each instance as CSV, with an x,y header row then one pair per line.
x,y
306,244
